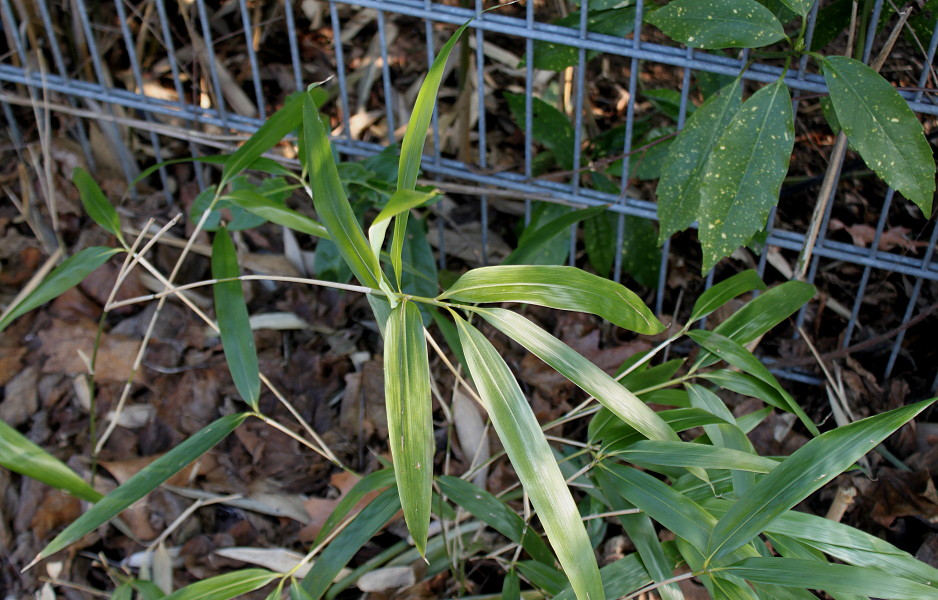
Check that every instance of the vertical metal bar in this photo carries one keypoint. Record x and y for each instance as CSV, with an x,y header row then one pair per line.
x,y
252,59
15,134
177,81
910,308
386,78
138,81
482,129
91,43
60,67
212,61
928,65
627,146
871,30
578,119
528,104
339,65
864,279
295,47
6,13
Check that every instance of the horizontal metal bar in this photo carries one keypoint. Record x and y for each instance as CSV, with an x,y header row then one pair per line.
x,y
567,36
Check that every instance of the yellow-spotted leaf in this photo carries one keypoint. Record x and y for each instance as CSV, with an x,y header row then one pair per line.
x,y
410,419
718,23
564,288
533,461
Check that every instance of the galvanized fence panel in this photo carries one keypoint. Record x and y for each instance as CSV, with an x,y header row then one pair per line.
x,y
41,70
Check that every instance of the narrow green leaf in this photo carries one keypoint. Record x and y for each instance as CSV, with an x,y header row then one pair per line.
x,y
147,590
223,587
651,453
808,469
371,483
96,203
401,201
847,579
276,212
723,292
744,173
65,276
882,128
496,514
542,576
347,544
511,587
664,504
22,456
533,461
533,242
331,203
586,375
237,339
766,311
736,355
743,383
410,418
145,481
724,435
274,129
679,188
717,24
564,288
619,579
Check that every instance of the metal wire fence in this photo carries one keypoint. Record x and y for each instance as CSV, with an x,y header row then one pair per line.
x,y
83,62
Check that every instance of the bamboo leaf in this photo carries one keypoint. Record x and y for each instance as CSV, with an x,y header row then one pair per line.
x,y
532,243
410,418
347,544
717,24
805,471
96,204
736,355
22,456
276,212
144,481
332,205
237,338
744,173
400,202
586,375
651,453
274,129
64,277
882,128
564,288
619,578
223,587
371,483
766,311
846,579
723,292
533,461
679,188
496,514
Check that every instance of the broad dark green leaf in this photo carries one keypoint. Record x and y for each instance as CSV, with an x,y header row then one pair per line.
x,y
96,203
679,188
723,292
766,311
550,127
564,288
533,241
371,483
718,23
609,18
347,543
237,338
599,237
805,471
744,173
621,577
276,212
145,481
22,456
736,355
223,587
882,128
533,461
268,135
586,375
800,573
664,504
65,276
652,453
799,7
511,587
496,514
410,418
331,203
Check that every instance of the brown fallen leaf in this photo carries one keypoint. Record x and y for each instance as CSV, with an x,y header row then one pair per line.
x,y
65,344
894,237
319,509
